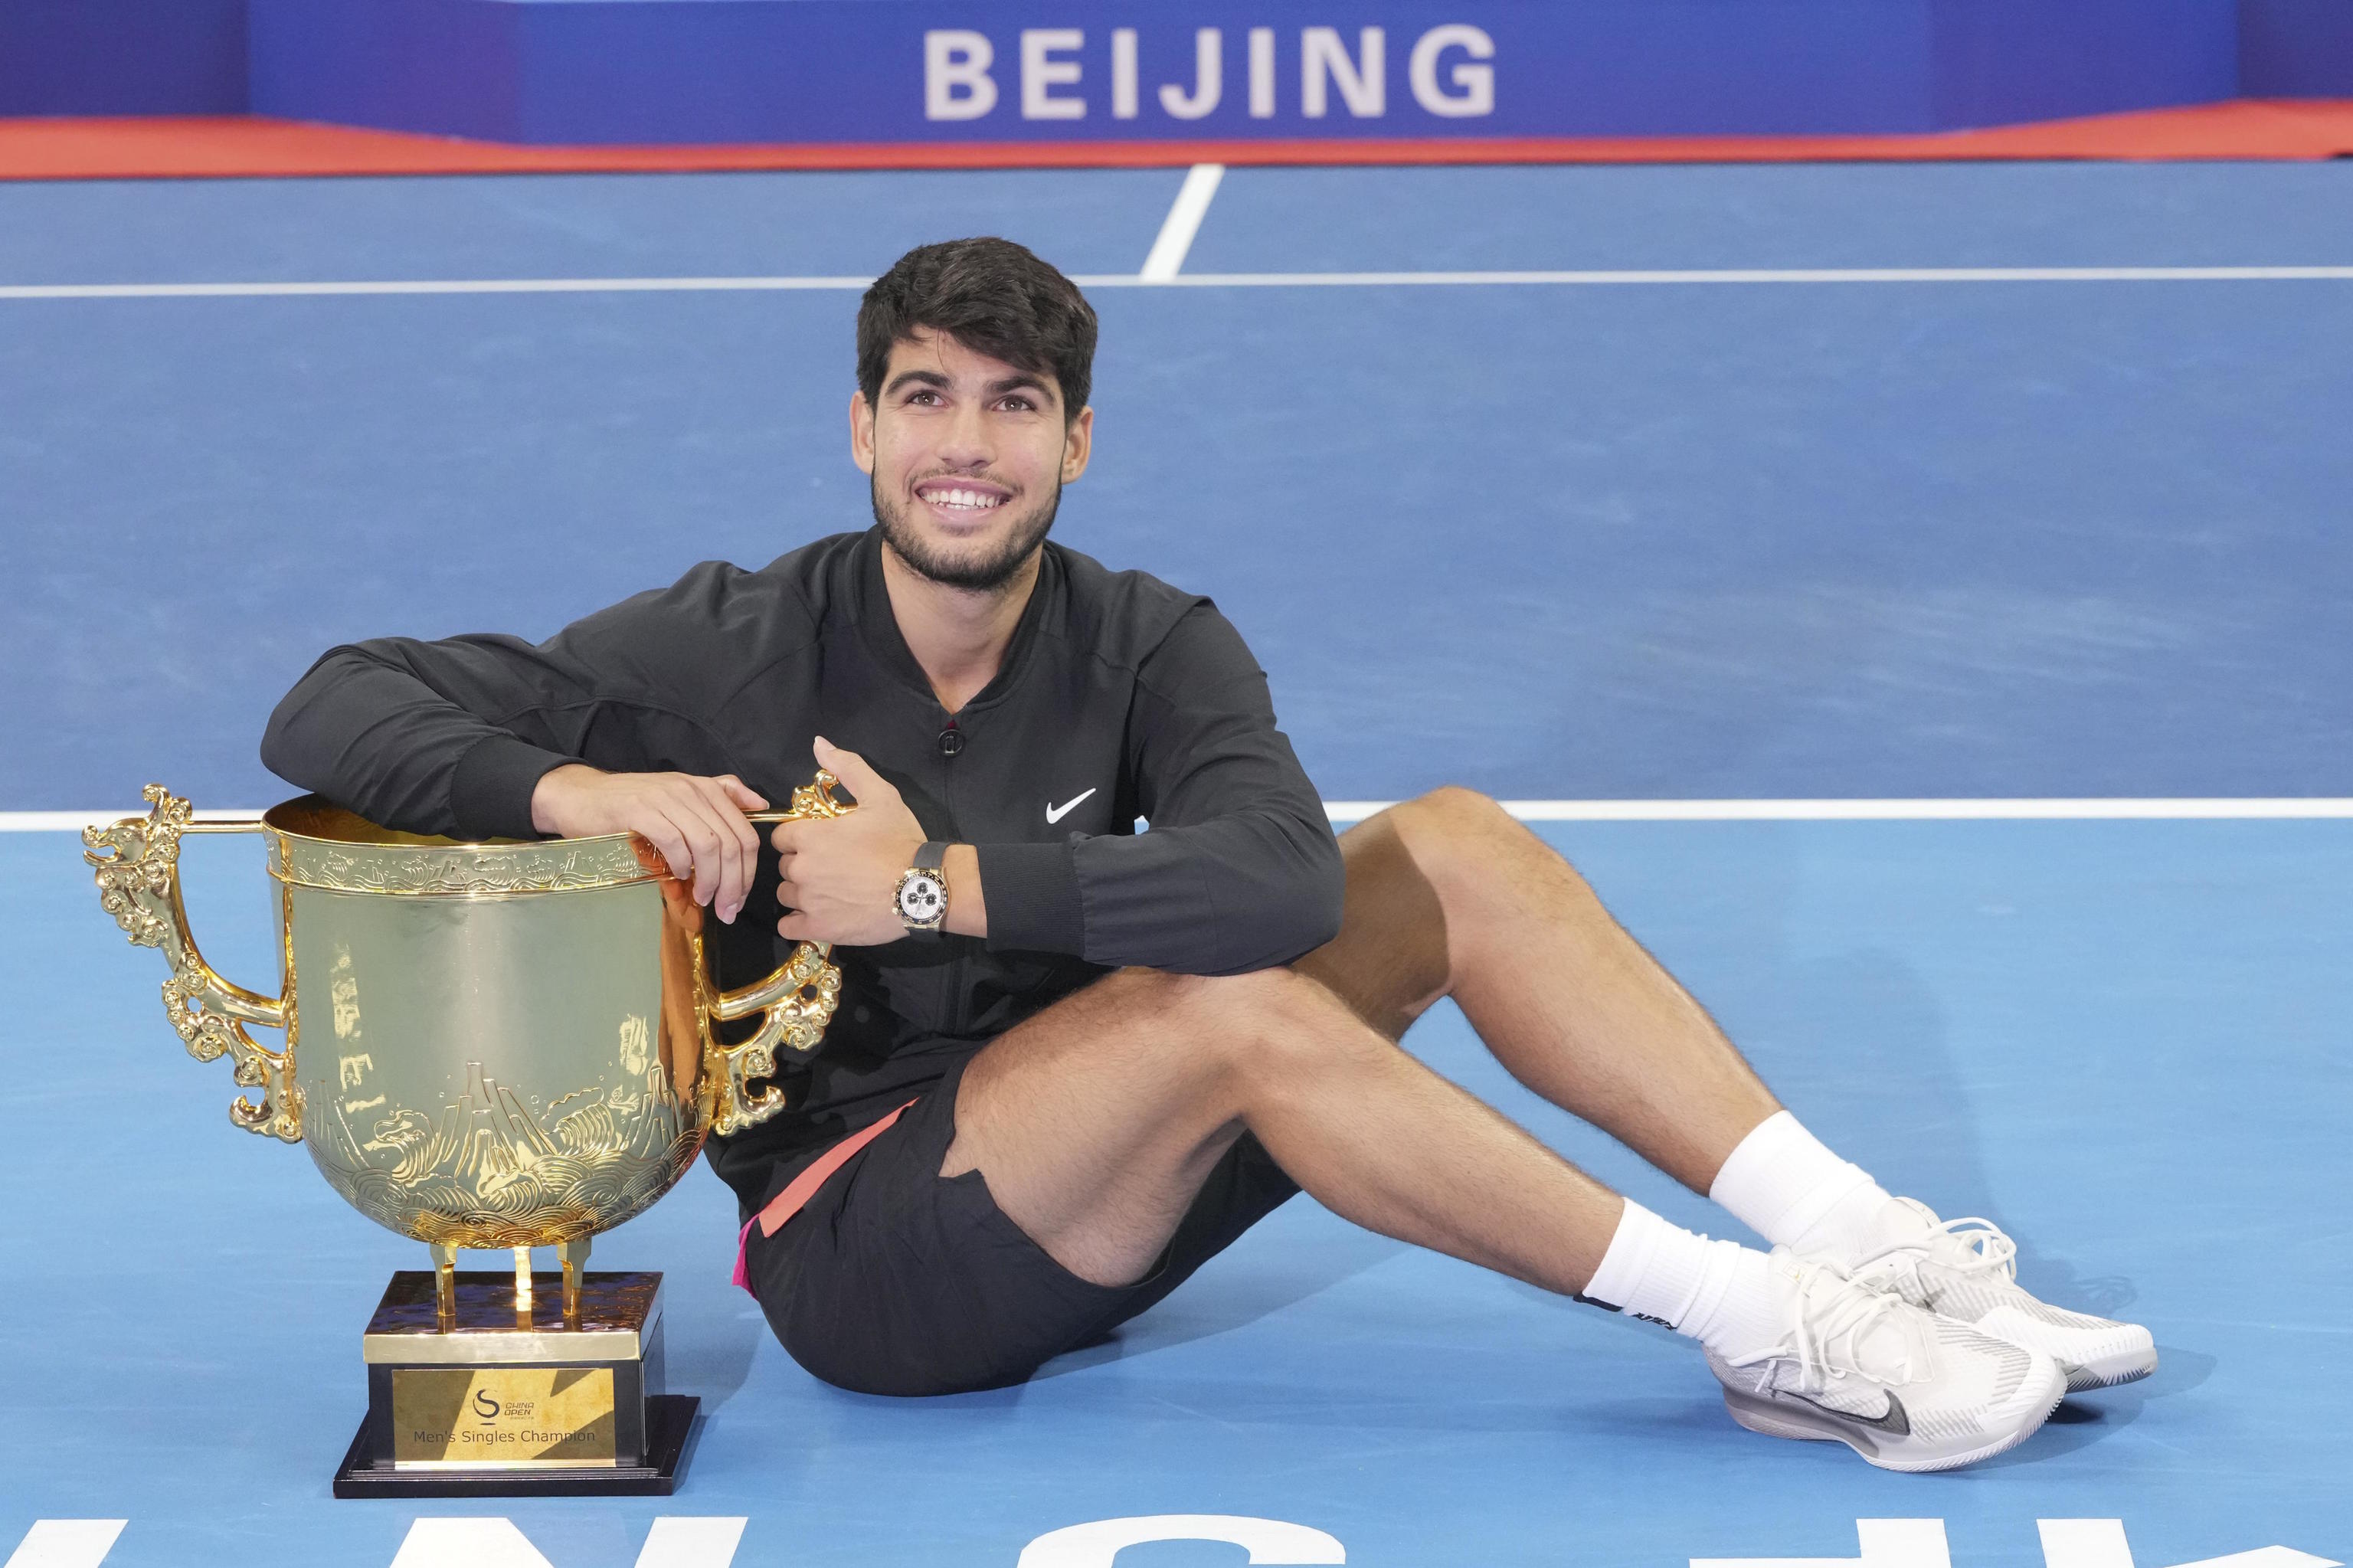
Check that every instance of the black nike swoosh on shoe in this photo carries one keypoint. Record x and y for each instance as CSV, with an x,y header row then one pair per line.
x,y
1893,1419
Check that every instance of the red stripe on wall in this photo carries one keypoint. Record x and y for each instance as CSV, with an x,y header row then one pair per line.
x,y
178,148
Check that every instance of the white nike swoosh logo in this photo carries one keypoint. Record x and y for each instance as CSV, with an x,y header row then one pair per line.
x,y
1056,813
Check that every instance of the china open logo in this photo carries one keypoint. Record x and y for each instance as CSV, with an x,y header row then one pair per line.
x,y
487,1409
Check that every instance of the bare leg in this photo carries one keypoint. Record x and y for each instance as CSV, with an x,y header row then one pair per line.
x,y
1095,1123
1448,896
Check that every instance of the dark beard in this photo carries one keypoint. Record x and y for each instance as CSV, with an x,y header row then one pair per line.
x,y
985,575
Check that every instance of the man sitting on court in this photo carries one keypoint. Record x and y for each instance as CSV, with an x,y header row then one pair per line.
x,y
1072,1061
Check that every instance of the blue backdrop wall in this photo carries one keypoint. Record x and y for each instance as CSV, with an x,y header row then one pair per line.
x,y
123,57
944,70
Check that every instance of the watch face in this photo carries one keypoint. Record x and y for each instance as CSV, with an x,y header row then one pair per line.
x,y
922,899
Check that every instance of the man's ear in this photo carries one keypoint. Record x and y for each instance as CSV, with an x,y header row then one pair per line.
x,y
862,432
1078,444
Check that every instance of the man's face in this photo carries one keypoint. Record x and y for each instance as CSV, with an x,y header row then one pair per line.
x,y
968,456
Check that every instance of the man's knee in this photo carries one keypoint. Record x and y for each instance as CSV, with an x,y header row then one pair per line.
x,y
1454,815
1455,832
1247,1023
1280,1028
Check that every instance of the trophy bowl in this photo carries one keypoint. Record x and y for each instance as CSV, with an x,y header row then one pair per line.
x,y
506,1045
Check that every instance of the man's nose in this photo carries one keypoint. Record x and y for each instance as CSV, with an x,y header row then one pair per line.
x,y
965,443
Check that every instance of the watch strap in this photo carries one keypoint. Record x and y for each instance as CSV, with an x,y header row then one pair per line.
x,y
932,857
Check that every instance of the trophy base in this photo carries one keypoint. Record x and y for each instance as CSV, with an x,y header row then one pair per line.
x,y
492,1390
670,1431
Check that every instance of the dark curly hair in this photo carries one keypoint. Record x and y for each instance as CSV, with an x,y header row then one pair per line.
x,y
991,296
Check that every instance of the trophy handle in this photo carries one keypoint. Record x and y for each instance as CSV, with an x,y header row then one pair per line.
x,y
138,868
795,1002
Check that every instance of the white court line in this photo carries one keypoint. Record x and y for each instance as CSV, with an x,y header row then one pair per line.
x,y
66,1543
2295,808
424,286
74,822
1756,276
676,1541
1752,275
1183,222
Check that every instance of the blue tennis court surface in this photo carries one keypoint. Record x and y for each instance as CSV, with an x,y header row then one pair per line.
x,y
1559,541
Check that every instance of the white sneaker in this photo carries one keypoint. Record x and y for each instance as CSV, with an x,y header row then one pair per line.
x,y
1901,1386
1967,1269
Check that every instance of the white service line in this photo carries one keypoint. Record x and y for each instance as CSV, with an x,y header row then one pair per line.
x,y
74,822
425,286
2297,808
1171,277
2294,808
1183,222
1747,275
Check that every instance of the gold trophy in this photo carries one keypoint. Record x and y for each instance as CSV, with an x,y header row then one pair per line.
x,y
502,1045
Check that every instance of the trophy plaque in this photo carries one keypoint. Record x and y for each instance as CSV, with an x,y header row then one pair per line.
x,y
517,1392
492,1047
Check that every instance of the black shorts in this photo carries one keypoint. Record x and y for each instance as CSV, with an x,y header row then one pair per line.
x,y
895,1280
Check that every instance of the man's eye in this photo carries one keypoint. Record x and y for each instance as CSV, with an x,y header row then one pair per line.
x,y
914,398
1019,405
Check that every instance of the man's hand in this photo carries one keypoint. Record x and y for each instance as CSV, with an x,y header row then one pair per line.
x,y
841,874
697,823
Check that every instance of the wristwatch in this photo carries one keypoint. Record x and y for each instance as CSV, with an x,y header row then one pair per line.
x,y
923,895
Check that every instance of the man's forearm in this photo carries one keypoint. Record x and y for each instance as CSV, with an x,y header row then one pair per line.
x,y
1240,893
1243,892
367,733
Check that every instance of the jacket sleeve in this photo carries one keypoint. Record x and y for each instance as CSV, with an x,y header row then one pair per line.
x,y
1239,871
452,737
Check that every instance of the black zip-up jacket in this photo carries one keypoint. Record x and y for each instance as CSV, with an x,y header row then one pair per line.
x,y
1118,693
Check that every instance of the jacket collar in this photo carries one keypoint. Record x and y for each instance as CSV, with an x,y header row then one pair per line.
x,y
879,627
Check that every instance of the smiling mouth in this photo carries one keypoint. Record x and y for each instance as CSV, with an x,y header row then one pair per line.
x,y
961,501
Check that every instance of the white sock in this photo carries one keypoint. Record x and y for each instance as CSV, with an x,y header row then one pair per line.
x,y
1783,1183
1720,1293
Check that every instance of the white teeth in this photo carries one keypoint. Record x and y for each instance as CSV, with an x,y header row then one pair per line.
x,y
970,499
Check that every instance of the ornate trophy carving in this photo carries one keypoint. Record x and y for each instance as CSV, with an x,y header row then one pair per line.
x,y
486,1045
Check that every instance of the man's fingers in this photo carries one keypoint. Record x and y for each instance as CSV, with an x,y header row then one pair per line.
x,y
728,808
798,928
852,771
697,823
739,851
745,797
787,836
705,837
742,852
663,834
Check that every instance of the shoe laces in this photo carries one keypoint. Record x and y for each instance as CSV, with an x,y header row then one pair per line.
x,y
1834,1311
1972,1245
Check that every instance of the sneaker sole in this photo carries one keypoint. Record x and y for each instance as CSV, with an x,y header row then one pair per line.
x,y
2133,1361
1781,1421
2111,1373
